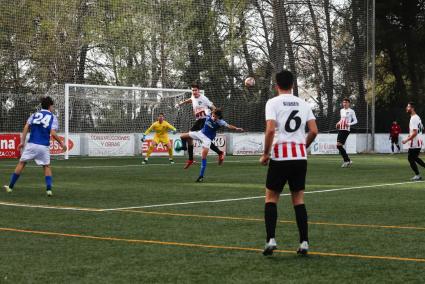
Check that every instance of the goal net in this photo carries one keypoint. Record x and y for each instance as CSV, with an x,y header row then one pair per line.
x,y
328,45
125,111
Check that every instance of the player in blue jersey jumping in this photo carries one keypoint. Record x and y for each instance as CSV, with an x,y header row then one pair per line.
x,y
41,125
206,135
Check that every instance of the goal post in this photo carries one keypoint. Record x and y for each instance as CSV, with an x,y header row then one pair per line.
x,y
119,109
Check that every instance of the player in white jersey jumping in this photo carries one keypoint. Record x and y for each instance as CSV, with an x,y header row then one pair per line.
x,y
202,107
416,143
348,119
41,125
287,115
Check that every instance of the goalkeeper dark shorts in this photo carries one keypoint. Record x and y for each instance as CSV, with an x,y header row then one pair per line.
x,y
394,139
342,136
199,124
281,172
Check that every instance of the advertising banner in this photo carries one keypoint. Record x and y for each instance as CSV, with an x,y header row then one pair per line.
x,y
9,146
161,150
248,144
111,144
326,144
73,145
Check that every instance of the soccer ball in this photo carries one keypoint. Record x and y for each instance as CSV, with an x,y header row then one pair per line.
x,y
249,82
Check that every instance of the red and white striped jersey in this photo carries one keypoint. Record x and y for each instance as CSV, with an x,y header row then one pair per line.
x,y
416,124
291,115
348,118
201,106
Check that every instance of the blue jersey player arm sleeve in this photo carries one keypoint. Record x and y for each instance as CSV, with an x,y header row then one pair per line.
x,y
29,121
222,123
55,124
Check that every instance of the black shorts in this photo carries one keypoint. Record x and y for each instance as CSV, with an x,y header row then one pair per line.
x,y
394,140
199,124
413,153
342,136
280,172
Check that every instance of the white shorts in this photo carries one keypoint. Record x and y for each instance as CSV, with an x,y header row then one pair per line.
x,y
198,135
39,153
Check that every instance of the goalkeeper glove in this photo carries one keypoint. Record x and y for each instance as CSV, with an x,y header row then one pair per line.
x,y
143,137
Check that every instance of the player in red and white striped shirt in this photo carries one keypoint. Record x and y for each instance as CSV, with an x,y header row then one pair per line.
x,y
287,116
348,118
415,140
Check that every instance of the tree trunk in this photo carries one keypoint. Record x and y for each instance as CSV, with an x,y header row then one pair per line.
x,y
289,49
323,66
247,56
358,59
154,62
330,84
82,64
400,89
279,28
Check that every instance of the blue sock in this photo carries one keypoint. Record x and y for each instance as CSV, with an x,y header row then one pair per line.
x,y
203,167
13,180
48,182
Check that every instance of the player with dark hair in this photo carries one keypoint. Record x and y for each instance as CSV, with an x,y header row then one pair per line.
x,y
161,128
416,143
202,107
394,133
41,126
287,116
206,135
348,119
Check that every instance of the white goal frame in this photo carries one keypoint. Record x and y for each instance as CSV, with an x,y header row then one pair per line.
x,y
66,106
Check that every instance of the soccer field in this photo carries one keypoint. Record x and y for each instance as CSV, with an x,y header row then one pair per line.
x,y
114,220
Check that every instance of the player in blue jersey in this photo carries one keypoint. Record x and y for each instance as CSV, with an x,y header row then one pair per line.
x,y
206,135
41,125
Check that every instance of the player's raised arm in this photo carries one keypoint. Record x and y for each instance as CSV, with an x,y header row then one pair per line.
x,y
179,104
225,124
234,127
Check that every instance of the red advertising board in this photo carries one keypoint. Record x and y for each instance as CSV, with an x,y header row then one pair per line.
x,y
9,146
56,149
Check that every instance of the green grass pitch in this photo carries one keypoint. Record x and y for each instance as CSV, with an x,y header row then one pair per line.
x,y
369,230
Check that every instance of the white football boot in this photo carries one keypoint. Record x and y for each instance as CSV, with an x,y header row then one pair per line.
x,y
303,248
416,178
270,247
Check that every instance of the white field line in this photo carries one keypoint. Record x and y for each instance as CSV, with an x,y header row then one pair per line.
x,y
69,208
50,207
257,197
126,166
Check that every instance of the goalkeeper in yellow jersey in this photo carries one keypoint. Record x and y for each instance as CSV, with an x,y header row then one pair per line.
x,y
161,128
